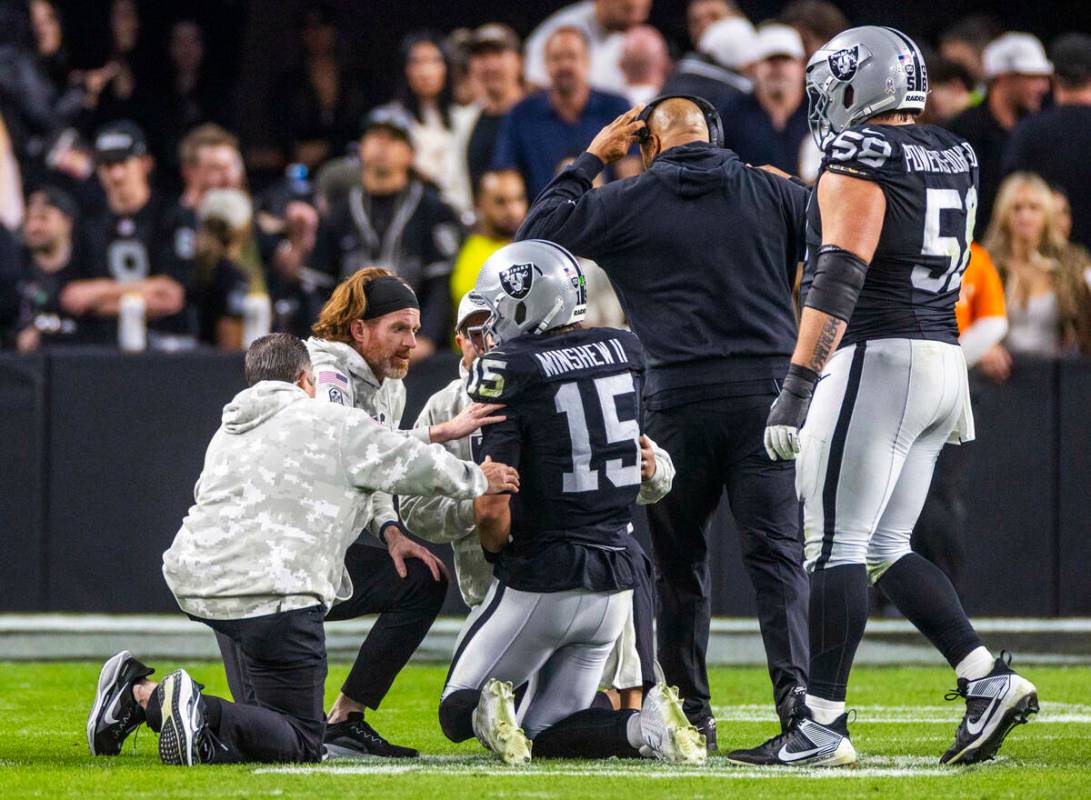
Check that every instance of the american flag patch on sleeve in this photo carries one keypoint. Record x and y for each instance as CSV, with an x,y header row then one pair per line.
x,y
334,378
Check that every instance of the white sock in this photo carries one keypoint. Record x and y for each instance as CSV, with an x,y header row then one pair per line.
x,y
632,731
977,664
825,711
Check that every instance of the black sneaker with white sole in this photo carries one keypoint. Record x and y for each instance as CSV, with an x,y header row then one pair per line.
x,y
994,705
115,713
706,726
355,738
183,739
806,743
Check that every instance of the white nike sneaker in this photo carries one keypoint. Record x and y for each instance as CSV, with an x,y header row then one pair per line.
x,y
667,734
495,726
806,743
994,705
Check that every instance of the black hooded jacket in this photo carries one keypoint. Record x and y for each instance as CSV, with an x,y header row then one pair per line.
x,y
702,250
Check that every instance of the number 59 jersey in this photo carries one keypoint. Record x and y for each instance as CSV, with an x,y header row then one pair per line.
x,y
572,430
929,177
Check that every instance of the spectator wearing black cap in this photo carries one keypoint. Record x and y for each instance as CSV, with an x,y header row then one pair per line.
x,y
49,261
497,66
128,248
1056,143
393,219
1018,73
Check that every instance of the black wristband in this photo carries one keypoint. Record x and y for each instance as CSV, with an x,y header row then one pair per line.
x,y
800,381
839,277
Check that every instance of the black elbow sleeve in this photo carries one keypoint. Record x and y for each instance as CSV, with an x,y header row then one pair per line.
x,y
839,277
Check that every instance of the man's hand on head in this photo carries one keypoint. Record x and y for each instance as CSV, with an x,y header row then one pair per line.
x,y
613,142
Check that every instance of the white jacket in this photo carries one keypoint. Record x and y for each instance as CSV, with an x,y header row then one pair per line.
x,y
286,486
342,376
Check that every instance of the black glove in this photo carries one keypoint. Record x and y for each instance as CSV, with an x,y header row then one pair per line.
x,y
789,412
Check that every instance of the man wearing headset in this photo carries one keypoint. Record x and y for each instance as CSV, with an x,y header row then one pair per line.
x,y
703,251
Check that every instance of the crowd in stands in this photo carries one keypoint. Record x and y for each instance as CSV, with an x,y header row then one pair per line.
x,y
123,192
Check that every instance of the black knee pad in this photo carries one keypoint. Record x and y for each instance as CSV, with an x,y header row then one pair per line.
x,y
456,714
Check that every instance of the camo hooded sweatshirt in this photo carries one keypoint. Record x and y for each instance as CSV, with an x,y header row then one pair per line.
x,y
285,489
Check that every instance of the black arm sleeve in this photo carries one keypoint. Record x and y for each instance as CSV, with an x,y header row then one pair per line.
x,y
569,211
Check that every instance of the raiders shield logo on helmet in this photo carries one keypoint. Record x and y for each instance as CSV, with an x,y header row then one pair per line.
x,y
843,63
517,279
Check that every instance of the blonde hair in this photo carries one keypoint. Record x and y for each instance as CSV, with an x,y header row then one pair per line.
x,y
1066,269
346,305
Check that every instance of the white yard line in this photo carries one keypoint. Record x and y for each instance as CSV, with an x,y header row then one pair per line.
x,y
1051,713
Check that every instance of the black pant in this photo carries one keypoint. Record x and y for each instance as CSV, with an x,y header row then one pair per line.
x,y
280,659
938,534
717,444
407,607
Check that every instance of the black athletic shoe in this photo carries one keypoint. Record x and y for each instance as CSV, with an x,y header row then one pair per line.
x,y
354,738
707,728
806,743
792,706
183,739
115,714
994,705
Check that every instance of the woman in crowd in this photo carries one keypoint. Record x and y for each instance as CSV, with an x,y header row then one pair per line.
x,y
1049,303
426,94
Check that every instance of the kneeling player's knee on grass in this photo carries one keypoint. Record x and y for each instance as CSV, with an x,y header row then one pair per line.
x,y
456,714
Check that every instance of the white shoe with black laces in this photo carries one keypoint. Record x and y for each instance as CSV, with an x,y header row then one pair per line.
x,y
806,743
495,724
995,704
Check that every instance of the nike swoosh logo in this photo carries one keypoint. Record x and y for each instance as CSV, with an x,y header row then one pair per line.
x,y
784,755
975,727
110,717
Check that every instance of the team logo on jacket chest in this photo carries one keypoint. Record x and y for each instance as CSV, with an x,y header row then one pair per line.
x,y
844,62
517,279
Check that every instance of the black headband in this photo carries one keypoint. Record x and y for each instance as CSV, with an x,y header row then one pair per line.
x,y
387,294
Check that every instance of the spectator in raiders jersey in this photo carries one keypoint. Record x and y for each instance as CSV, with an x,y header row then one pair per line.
x,y
126,246
49,262
393,218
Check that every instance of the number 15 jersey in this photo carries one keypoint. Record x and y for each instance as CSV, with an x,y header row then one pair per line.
x,y
572,430
929,177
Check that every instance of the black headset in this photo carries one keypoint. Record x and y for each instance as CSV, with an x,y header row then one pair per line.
x,y
712,117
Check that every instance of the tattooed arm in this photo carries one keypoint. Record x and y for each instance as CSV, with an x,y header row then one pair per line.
x,y
852,219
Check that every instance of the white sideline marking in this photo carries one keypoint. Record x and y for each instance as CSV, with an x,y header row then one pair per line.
x,y
1051,713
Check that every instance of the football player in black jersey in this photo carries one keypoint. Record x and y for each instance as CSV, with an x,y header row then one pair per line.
x,y
564,575
127,247
879,379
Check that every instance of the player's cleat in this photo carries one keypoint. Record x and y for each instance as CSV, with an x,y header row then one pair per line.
x,y
183,737
994,705
495,724
806,743
707,728
115,713
355,738
667,734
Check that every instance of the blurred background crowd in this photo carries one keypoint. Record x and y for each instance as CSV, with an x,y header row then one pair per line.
x,y
149,198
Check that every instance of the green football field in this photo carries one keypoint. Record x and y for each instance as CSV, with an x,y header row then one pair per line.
x,y
903,725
